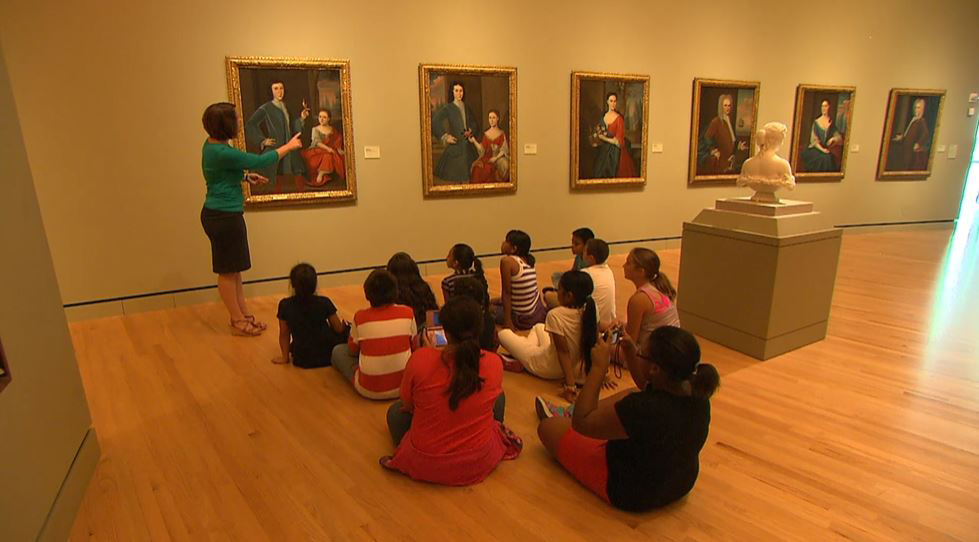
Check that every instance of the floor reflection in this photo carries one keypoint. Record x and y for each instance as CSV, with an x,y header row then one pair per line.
x,y
955,311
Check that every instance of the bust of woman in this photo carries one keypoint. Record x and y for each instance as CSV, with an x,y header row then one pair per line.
x,y
766,172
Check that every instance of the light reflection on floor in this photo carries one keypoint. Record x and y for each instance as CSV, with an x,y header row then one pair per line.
x,y
955,308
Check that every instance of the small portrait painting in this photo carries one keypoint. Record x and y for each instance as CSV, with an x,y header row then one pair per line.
x,y
469,129
278,98
910,129
722,128
608,129
819,142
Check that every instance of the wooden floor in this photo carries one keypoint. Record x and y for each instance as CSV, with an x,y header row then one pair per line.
x,y
871,434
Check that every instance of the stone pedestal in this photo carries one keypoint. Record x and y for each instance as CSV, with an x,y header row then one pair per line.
x,y
758,277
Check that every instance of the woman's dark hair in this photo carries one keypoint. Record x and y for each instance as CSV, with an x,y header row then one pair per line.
x,y
609,95
220,121
677,352
478,292
598,249
521,242
464,255
585,234
648,260
463,321
412,288
497,111
327,111
303,281
580,286
381,288
473,289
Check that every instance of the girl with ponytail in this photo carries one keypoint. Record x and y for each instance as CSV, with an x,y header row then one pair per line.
x,y
561,347
521,305
475,290
654,302
448,426
309,326
463,262
638,450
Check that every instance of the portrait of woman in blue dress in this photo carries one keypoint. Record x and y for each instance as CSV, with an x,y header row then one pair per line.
x,y
825,149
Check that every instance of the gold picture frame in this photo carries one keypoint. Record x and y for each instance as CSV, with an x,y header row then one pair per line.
x,y
608,164
908,153
324,84
723,166
822,159
469,161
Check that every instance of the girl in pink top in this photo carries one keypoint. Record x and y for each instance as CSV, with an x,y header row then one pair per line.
x,y
448,426
652,305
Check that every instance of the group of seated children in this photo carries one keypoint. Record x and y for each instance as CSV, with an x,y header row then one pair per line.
x,y
636,450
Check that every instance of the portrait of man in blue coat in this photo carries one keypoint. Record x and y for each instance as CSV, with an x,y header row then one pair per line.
x,y
454,123
271,126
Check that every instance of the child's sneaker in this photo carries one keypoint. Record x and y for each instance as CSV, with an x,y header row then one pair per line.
x,y
547,409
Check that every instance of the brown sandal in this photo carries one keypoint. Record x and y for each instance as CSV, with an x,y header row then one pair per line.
x,y
260,325
245,328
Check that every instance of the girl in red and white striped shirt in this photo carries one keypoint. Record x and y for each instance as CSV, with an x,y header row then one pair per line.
x,y
381,340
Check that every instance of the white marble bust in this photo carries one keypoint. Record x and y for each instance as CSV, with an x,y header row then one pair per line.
x,y
767,172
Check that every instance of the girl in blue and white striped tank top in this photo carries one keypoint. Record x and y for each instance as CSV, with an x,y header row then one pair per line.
x,y
521,305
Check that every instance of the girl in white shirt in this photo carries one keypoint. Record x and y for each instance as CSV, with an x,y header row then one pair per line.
x,y
561,347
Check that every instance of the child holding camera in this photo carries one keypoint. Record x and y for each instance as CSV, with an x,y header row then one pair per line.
x,y
639,449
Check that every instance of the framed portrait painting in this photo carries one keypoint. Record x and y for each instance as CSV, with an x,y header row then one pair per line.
x,y
722,125
906,149
468,129
608,129
820,133
278,97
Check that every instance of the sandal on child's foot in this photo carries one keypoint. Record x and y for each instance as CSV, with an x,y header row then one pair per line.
x,y
260,325
245,328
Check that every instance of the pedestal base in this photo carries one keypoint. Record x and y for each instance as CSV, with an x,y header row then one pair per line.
x,y
756,282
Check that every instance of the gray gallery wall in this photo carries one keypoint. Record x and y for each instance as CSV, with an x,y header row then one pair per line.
x,y
44,419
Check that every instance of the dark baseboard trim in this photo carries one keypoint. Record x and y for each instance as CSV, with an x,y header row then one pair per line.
x,y
908,223
422,262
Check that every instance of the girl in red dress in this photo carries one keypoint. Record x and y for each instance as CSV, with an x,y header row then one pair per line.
x,y
493,165
448,426
325,153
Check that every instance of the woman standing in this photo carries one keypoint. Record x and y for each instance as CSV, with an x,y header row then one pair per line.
x,y
324,157
613,159
223,213
824,139
493,165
